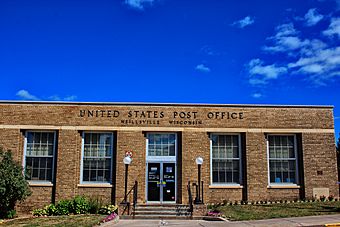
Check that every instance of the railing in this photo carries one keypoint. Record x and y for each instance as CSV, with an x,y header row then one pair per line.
x,y
199,192
135,194
126,201
191,206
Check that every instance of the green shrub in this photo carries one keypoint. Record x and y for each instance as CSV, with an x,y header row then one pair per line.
x,y
63,207
108,209
80,205
94,205
10,214
39,212
13,185
51,210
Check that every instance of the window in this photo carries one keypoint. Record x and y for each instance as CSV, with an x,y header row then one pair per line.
x,y
282,159
225,159
39,153
97,157
161,144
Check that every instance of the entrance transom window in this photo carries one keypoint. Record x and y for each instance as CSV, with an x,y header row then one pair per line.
x,y
161,144
161,170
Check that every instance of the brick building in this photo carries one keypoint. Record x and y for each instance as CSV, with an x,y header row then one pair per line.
x,y
250,152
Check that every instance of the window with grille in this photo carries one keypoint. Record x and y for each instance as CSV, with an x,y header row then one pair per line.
x,y
282,159
39,154
97,157
161,144
225,159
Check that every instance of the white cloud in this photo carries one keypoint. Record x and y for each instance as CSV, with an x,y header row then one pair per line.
x,y
26,95
54,98
312,17
312,47
256,95
334,28
58,98
244,22
202,68
322,65
70,98
285,30
139,4
310,57
285,39
260,74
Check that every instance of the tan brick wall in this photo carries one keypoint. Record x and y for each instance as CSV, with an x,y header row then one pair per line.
x,y
41,196
318,147
320,155
194,145
135,142
68,164
253,117
257,169
13,140
274,194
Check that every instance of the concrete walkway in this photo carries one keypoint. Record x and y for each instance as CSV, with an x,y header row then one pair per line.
x,y
279,222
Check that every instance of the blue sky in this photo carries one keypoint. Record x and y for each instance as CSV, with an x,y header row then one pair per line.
x,y
192,51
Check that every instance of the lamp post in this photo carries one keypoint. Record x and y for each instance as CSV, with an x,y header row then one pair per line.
x,y
199,162
127,160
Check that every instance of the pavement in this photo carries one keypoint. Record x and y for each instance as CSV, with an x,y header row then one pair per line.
x,y
279,222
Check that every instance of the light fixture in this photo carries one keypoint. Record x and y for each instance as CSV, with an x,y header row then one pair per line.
x,y
127,160
199,160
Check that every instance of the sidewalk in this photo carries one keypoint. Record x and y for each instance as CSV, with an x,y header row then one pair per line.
x,y
279,222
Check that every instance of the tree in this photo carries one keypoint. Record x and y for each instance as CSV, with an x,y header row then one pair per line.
x,y
13,185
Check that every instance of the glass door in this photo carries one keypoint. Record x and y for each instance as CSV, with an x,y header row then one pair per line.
x,y
161,182
169,182
154,180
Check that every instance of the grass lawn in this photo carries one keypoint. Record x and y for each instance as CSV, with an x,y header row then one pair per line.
x,y
72,220
281,210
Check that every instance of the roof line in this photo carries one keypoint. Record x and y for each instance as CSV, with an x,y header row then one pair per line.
x,y
161,104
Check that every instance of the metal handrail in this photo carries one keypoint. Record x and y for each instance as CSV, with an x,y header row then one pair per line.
x,y
199,190
191,206
135,195
134,199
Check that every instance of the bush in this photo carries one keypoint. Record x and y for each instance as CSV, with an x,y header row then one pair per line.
x,y
13,185
107,209
11,214
63,207
94,205
80,205
39,212
50,210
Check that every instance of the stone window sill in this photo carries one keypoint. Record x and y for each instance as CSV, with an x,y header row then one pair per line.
x,y
37,184
283,187
94,185
225,186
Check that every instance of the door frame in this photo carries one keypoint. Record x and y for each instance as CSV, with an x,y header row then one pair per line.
x,y
161,160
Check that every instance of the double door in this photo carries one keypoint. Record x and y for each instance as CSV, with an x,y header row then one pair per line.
x,y
161,182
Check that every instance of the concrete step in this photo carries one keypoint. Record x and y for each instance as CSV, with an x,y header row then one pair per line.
x,y
160,211
156,217
174,209
144,212
161,205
